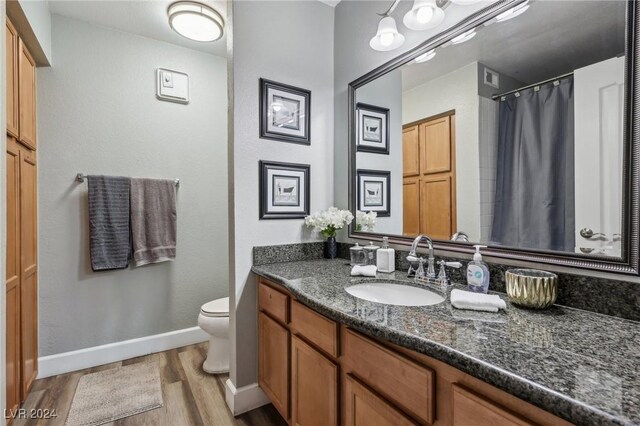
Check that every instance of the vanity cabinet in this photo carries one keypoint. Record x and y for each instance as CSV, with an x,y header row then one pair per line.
x,y
363,407
274,347
329,374
314,386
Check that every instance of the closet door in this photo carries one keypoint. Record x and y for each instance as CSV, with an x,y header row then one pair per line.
x,y
12,79
27,96
29,267
13,388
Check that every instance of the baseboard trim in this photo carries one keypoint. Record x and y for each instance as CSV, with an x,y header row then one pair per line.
x,y
244,399
66,362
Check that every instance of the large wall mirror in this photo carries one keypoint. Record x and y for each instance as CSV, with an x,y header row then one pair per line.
x,y
512,133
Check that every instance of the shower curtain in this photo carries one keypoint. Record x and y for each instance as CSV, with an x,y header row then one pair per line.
x,y
534,200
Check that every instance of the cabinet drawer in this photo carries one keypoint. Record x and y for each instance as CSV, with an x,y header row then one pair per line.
x,y
364,408
273,302
317,329
408,385
472,409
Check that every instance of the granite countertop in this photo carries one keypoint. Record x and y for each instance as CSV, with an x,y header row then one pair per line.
x,y
578,365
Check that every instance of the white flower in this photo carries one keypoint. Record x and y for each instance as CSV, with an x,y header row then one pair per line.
x,y
329,221
366,221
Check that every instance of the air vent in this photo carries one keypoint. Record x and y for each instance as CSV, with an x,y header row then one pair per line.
x,y
491,78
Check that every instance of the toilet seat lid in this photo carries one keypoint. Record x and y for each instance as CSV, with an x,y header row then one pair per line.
x,y
216,308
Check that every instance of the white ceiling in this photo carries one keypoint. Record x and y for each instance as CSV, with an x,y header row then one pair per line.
x,y
549,39
147,18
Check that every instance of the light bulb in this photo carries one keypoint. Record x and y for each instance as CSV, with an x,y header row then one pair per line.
x,y
386,39
424,14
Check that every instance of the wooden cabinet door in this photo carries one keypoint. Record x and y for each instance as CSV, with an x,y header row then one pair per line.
x,y
314,387
363,407
28,267
12,80
435,146
27,96
410,151
273,362
435,208
472,409
13,362
411,206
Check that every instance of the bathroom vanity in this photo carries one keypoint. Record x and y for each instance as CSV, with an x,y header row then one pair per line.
x,y
328,358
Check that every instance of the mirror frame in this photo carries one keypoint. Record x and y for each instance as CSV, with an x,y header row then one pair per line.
x,y
628,263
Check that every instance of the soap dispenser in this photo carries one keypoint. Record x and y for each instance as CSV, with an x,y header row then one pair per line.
x,y
478,273
386,257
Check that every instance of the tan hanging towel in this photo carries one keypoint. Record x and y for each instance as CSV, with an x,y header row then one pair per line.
x,y
153,220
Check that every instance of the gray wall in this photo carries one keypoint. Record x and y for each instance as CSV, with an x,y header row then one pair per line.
x,y
386,92
98,114
292,43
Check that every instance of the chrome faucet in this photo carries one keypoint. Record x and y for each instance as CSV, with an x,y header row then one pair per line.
x,y
460,236
413,258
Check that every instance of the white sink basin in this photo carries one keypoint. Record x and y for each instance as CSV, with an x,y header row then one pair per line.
x,y
394,294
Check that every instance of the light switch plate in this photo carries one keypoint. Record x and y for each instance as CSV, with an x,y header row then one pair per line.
x,y
172,86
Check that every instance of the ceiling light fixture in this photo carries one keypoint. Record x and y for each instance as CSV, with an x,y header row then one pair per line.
x,y
425,56
195,21
466,36
387,38
513,12
423,15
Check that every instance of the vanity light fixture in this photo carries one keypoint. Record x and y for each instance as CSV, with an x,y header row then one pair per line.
x,y
423,15
195,21
466,36
387,38
425,56
513,12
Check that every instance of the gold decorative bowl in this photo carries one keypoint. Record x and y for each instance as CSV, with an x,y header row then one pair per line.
x,y
532,288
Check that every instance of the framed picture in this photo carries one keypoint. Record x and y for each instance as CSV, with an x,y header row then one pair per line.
x,y
374,192
372,128
284,190
285,112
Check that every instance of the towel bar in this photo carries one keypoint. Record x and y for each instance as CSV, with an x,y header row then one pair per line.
x,y
80,177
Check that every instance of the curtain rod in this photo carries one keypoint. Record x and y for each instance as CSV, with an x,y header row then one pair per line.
x,y
80,177
494,97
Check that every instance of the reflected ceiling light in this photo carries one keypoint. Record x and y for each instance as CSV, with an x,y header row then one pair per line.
x,y
466,36
425,56
513,12
423,15
387,38
195,21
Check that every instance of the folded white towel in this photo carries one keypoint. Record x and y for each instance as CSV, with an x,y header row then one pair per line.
x,y
365,271
477,301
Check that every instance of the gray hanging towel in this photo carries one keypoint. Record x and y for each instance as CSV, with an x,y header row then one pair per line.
x,y
109,229
153,220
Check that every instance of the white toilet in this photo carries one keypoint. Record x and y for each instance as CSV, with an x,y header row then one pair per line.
x,y
214,320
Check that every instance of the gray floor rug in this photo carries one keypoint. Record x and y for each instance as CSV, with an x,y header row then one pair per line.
x,y
116,393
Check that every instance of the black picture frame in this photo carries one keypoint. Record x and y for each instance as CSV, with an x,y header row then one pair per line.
x,y
376,112
379,179
298,210
301,95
